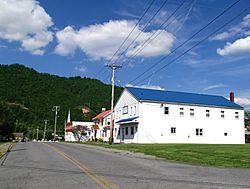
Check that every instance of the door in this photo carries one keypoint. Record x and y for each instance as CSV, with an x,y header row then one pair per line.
x,y
123,135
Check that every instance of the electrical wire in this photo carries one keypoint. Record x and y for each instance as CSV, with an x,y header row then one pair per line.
x,y
201,41
191,37
155,34
145,26
150,5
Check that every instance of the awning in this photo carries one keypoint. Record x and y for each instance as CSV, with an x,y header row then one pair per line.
x,y
106,127
128,120
95,127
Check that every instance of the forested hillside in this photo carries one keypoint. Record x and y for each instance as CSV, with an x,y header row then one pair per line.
x,y
29,97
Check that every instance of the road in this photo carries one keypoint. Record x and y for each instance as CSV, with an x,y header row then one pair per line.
x,y
58,165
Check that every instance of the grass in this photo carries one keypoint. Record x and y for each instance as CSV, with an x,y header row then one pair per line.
x,y
3,148
200,154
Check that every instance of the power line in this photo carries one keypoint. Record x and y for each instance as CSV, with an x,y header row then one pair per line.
x,y
201,41
150,5
132,30
150,39
146,25
196,33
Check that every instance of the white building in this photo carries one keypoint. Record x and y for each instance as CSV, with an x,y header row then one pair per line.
x,y
157,116
101,128
77,130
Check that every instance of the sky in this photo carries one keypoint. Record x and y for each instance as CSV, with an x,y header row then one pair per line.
x,y
198,46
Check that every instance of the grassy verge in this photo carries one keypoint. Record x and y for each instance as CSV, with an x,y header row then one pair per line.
x,y
201,154
4,147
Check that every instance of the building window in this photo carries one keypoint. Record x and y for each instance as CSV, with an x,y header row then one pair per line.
x,y
236,115
135,111
166,110
222,114
225,134
199,132
173,130
181,111
119,131
126,130
125,110
207,113
192,112
132,130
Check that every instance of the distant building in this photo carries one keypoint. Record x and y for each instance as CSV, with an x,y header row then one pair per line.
x,y
157,116
77,130
101,127
18,136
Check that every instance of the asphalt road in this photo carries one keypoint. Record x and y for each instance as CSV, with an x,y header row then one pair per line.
x,y
71,166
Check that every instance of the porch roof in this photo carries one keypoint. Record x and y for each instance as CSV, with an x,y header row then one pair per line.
x,y
95,127
127,119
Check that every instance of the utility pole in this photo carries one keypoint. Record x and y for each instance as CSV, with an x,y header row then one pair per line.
x,y
113,67
55,109
45,125
37,134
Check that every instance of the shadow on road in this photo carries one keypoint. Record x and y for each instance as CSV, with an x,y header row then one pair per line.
x,y
21,149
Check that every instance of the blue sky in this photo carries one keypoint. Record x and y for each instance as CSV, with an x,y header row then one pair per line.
x,y
78,38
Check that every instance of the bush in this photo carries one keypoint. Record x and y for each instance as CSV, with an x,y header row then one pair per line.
x,y
100,139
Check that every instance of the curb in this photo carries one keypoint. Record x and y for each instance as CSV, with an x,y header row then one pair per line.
x,y
8,149
119,152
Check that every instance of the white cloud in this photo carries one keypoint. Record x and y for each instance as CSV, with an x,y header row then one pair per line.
x,y
27,22
100,41
81,68
243,101
213,87
239,47
157,87
241,29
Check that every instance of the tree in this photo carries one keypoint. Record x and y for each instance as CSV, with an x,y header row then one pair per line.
x,y
80,132
7,122
31,95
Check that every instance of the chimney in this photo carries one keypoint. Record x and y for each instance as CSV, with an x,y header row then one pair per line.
x,y
103,109
232,96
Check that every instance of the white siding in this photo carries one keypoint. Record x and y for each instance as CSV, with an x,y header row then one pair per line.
x,y
155,126
126,99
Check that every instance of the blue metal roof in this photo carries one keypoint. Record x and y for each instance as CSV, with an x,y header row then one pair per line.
x,y
181,97
127,119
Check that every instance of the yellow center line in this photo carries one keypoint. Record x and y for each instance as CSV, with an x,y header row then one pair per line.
x,y
103,182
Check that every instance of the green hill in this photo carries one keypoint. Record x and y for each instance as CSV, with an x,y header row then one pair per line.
x,y
29,97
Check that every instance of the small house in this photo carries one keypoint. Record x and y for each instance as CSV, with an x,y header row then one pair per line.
x,y
101,127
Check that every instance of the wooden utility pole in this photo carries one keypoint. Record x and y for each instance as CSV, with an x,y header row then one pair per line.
x,y
55,109
113,67
45,125
37,130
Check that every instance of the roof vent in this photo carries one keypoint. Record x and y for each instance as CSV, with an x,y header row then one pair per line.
x,y
103,109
